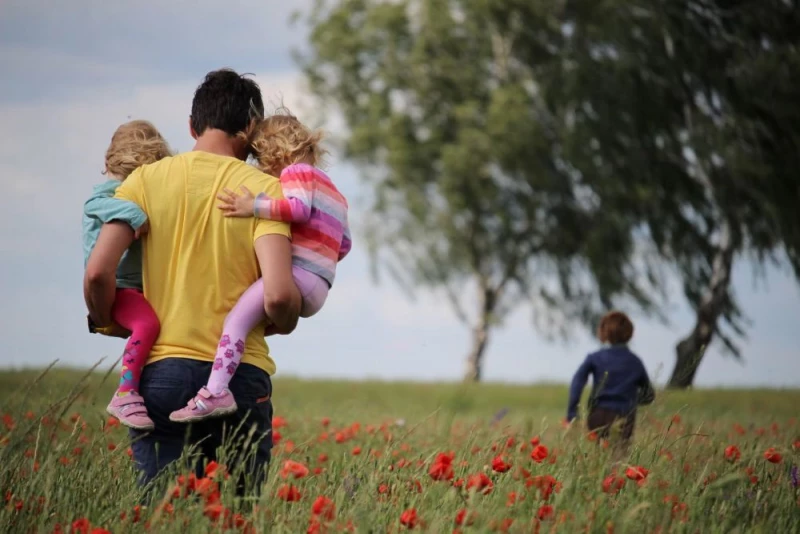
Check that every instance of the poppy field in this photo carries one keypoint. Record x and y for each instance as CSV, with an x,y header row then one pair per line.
x,y
397,457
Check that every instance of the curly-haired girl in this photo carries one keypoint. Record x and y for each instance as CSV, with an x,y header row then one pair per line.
x,y
283,147
133,144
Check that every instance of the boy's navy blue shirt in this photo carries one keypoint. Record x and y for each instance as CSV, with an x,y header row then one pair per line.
x,y
619,381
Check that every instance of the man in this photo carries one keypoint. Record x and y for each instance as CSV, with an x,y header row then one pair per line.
x,y
196,265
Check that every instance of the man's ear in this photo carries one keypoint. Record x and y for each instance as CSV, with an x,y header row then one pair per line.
x,y
191,129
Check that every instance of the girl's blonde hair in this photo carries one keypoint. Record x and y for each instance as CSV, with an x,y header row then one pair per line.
x,y
134,144
282,140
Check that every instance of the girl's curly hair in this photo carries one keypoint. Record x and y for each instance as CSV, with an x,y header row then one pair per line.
x,y
282,140
134,144
615,328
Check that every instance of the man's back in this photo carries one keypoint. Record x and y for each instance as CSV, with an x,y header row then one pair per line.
x,y
197,263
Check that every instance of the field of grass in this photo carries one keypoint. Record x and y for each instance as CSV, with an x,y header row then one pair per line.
x,y
386,457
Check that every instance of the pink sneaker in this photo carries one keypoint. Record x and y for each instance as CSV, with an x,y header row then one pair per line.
x,y
204,406
131,411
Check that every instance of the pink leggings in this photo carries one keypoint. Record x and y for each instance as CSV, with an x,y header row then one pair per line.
x,y
132,311
247,313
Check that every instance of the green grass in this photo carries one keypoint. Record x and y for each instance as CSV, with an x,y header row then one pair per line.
x,y
61,461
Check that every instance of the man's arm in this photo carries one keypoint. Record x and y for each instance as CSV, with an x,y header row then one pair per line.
x,y
100,278
281,298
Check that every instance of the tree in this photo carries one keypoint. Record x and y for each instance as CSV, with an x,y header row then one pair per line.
x,y
472,196
689,104
512,140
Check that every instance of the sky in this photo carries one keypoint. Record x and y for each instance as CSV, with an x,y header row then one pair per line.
x,y
74,71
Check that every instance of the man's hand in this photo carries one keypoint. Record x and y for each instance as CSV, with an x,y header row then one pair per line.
x,y
142,230
237,206
112,330
270,330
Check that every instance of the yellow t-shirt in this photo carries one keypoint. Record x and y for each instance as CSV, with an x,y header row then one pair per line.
x,y
195,262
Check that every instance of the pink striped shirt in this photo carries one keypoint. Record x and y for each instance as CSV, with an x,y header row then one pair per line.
x,y
318,213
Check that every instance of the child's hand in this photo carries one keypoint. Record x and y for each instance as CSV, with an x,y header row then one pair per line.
x,y
142,230
237,206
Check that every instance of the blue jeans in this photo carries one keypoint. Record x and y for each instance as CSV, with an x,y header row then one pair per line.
x,y
167,385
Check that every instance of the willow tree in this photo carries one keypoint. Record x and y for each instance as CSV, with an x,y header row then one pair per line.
x,y
551,152
472,196
684,119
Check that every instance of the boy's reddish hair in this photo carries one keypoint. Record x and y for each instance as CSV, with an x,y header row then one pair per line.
x,y
615,328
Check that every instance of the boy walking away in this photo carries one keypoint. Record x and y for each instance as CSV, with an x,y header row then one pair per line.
x,y
619,380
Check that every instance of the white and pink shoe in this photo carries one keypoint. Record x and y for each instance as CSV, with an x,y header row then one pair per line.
x,y
131,411
205,405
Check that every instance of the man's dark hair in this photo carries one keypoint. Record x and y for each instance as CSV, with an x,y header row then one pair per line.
x,y
226,101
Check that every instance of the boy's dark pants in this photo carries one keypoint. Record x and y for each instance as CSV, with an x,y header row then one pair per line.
x,y
601,419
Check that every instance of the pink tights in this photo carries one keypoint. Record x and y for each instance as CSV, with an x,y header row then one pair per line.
x,y
247,313
132,311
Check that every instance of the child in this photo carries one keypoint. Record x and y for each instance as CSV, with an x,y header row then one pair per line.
x,y
134,144
619,379
320,239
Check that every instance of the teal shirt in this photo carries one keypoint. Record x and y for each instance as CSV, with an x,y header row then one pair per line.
x,y
102,208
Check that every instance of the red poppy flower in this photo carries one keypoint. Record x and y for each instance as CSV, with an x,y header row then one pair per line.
x,y
409,518
214,511
465,519
81,526
773,456
499,465
545,512
636,473
732,453
546,485
324,507
613,484
512,498
315,526
295,469
356,451
289,493
326,421
539,453
535,441
442,467
480,482
214,470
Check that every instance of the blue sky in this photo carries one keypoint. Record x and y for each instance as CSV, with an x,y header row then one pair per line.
x,y
73,72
